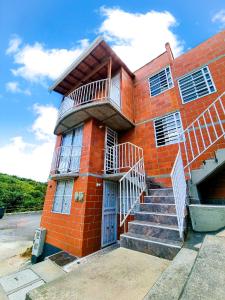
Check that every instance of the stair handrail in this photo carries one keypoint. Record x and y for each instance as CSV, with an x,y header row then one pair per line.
x,y
179,190
199,136
131,187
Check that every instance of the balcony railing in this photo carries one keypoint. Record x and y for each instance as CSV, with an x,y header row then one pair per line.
x,y
122,157
94,91
66,159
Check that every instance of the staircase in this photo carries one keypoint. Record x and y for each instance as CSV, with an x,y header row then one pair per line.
x,y
208,167
155,229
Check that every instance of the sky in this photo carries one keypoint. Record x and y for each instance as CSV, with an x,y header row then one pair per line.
x,y
39,39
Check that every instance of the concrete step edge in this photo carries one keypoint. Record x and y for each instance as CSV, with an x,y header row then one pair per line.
x,y
155,213
158,204
150,241
157,225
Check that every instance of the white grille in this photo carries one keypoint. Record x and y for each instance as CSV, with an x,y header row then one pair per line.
x,y
196,85
167,129
160,82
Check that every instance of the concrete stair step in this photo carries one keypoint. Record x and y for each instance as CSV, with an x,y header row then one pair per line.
x,y
154,246
151,229
172,281
159,199
160,218
161,192
158,207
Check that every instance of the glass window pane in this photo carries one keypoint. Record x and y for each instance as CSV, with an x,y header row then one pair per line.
x,y
196,85
160,82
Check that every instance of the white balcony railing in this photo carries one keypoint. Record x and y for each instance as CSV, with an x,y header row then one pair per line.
x,y
66,159
122,157
100,90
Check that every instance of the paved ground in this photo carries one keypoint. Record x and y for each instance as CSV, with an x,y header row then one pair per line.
x,y
120,274
17,232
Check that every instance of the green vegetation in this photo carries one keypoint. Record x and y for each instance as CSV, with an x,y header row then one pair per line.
x,y
21,194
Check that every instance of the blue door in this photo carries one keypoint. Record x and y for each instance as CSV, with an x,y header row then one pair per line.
x,y
109,213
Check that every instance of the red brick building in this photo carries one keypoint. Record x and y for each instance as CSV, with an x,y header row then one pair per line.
x,y
114,124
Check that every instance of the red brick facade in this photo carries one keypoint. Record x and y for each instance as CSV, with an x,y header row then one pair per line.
x,y
80,232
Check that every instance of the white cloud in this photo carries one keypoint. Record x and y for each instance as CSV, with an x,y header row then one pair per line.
x,y
35,62
137,38
13,86
31,160
219,17
14,44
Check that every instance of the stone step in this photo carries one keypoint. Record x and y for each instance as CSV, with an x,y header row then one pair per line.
x,y
158,207
160,218
161,192
150,229
159,199
170,284
153,246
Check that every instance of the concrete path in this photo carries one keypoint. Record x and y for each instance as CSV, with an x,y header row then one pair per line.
x,y
15,286
16,233
120,274
208,274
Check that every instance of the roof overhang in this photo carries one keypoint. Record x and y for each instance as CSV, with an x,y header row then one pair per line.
x,y
96,54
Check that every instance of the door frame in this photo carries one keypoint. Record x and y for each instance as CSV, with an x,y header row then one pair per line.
x,y
116,213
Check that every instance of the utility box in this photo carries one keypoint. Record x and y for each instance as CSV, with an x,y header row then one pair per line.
x,y
39,240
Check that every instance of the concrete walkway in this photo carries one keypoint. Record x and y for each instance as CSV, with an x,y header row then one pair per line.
x,y
207,278
120,274
16,285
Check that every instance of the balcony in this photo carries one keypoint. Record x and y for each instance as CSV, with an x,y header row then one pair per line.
x,y
99,99
66,162
120,158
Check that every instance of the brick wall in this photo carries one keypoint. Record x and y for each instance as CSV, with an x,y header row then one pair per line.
x,y
80,232
159,160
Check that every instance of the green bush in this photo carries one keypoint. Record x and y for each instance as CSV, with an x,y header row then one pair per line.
x,y
21,194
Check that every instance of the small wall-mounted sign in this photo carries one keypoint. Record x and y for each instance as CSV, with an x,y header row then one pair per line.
x,y
79,196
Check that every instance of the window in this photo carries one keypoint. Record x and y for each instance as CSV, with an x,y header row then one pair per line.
x,y
167,129
63,197
160,82
70,151
196,85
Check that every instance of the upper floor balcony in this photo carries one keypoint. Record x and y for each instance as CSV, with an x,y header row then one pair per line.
x,y
97,85
100,99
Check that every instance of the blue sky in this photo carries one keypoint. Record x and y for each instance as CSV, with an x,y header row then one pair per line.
x,y
41,38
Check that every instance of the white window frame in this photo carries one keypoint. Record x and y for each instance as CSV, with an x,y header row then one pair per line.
x,y
194,71
164,68
63,195
181,128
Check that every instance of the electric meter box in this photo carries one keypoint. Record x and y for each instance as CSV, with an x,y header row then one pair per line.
x,y
39,240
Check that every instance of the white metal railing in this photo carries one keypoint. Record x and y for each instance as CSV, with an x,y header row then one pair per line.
x,y
66,159
132,185
179,190
197,138
204,131
120,158
99,90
